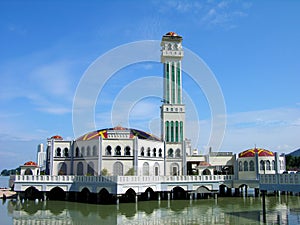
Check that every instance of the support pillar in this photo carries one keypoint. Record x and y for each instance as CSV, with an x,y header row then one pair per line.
x,y
264,206
44,196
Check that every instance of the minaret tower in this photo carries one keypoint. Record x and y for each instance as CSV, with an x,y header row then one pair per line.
x,y
172,110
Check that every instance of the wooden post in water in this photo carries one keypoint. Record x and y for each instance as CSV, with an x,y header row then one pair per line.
x,y
264,206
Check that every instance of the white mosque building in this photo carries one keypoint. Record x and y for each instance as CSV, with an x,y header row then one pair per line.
x,y
128,151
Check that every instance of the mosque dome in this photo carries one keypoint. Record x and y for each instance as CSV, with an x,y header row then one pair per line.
x,y
259,151
57,137
104,134
171,33
30,163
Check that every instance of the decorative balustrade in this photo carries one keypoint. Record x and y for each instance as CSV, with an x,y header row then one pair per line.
x,y
280,179
120,179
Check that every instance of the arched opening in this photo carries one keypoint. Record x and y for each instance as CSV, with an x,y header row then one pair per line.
x,y
245,165
224,190
104,196
28,171
94,150
62,168
145,169
32,193
56,194
148,152
88,151
149,194
118,169
77,152
154,152
156,169
84,195
170,153
160,152
251,165
203,192
273,165
240,166
80,169
206,172
82,151
127,151
90,169
177,153
174,169
66,152
58,152
268,165
262,165
129,196
142,151
178,193
118,150
108,150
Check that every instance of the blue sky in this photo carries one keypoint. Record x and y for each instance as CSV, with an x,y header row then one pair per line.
x,y
252,47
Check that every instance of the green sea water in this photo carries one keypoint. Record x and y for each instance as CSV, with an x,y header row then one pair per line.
x,y
226,210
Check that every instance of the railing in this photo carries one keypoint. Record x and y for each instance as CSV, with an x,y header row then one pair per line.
x,y
280,179
155,179
121,179
43,178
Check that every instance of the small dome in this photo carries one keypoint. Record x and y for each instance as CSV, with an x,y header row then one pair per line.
x,y
259,151
56,137
30,163
171,34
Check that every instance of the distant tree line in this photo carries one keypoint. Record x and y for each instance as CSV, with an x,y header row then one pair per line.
x,y
6,172
292,163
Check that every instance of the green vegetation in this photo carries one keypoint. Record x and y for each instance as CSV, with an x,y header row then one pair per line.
x,y
6,172
130,172
292,162
104,172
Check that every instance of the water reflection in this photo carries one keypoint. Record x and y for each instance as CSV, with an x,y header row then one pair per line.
x,y
283,210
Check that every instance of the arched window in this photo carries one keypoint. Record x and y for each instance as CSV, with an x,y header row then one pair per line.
x,y
58,152
148,152
94,150
66,152
82,151
118,169
88,151
142,151
251,165
127,151
156,169
118,150
268,165
160,152
77,152
146,169
80,169
108,150
174,169
28,172
177,153
154,152
169,46
170,153
245,166
206,172
262,165
273,165
240,166
90,169
62,168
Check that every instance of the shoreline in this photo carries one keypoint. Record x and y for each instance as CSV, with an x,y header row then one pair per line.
x,y
7,193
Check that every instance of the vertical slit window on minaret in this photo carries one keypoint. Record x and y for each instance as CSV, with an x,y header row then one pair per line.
x,y
173,83
167,83
178,84
176,132
172,131
181,131
167,131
